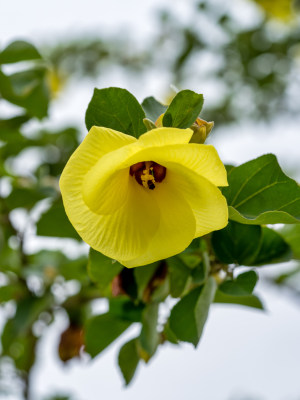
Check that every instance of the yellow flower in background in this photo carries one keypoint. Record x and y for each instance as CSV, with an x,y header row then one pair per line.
x,y
280,9
143,200
56,81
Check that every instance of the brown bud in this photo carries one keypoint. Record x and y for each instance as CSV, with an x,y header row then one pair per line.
x,y
71,342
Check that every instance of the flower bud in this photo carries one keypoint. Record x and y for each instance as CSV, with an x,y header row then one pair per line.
x,y
201,129
159,122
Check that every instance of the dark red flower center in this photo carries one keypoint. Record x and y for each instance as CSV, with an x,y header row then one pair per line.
x,y
147,173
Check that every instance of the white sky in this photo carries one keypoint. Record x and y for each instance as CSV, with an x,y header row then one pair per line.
x,y
243,352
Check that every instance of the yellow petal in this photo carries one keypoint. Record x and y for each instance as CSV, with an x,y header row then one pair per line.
x,y
123,220
201,158
127,232
104,194
102,191
98,142
165,136
205,199
104,187
176,229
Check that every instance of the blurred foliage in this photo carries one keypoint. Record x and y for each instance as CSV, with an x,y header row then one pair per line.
x,y
254,69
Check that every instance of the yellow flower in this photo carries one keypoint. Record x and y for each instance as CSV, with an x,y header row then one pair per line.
x,y
142,200
280,9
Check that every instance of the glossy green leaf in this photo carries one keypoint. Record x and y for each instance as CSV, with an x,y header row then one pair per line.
x,y
273,249
249,245
189,315
260,193
179,276
183,110
243,285
248,301
117,109
102,269
128,360
153,108
55,223
101,331
149,337
19,51
236,243
291,234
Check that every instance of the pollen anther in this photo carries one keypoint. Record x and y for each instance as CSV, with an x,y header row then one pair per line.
x,y
148,173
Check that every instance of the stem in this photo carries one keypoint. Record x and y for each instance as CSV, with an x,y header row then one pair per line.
x,y
26,382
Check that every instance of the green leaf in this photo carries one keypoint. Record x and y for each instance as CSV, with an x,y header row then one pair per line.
x,y
179,276
27,89
11,292
101,331
200,273
125,309
288,277
189,315
27,312
192,256
236,243
55,223
248,301
169,335
128,360
273,249
260,193
249,245
183,110
74,269
102,269
149,337
161,291
243,285
117,109
24,197
20,348
291,234
149,124
19,51
13,123
153,108
143,276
